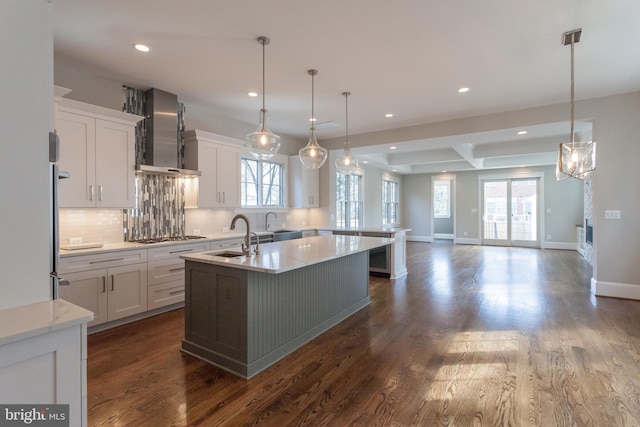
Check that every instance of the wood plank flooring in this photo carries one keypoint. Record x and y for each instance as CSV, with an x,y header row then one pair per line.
x,y
473,336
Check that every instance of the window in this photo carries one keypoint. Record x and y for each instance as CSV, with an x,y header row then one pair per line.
x,y
348,200
390,202
261,183
442,199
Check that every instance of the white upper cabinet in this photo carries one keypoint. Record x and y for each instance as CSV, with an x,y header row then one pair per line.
x,y
97,148
218,159
304,185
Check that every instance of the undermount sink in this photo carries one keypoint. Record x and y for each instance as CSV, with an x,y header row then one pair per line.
x,y
226,254
279,235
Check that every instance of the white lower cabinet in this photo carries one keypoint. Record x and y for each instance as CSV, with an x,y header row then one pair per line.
x,y
166,273
108,288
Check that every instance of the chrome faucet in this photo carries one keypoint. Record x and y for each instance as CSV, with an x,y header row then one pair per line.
x,y
246,245
266,219
257,250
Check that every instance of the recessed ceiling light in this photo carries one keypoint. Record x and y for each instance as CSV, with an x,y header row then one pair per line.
x,y
365,161
393,148
444,171
463,89
252,94
522,132
393,170
312,119
142,47
388,115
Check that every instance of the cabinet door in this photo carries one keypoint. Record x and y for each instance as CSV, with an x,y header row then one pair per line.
x,y
228,177
77,156
313,187
207,163
127,290
88,289
304,185
115,165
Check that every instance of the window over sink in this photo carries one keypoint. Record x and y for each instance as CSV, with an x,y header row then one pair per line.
x,y
262,183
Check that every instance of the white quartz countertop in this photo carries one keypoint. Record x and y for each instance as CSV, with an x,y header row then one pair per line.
x,y
27,321
287,255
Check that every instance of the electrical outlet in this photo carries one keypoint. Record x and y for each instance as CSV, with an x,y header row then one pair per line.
x,y
465,234
612,214
288,218
225,229
196,232
548,236
75,240
474,210
548,210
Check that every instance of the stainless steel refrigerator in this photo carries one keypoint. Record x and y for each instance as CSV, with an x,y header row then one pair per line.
x,y
55,175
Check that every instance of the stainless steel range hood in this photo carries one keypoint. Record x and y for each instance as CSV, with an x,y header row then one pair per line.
x,y
161,143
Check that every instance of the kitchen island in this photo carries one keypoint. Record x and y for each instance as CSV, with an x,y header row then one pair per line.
x,y
245,313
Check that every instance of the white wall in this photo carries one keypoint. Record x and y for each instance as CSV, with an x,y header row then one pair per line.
x,y
26,109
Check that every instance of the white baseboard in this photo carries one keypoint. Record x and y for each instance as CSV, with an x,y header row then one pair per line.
x,y
616,290
447,236
559,245
466,241
426,239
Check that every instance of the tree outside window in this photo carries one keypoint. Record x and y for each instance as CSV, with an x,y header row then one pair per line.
x,y
390,202
348,200
442,199
261,183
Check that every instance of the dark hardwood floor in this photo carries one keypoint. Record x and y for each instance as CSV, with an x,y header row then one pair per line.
x,y
473,336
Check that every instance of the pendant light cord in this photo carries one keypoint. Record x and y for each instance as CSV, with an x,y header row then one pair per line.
x,y
346,115
313,116
572,93
263,78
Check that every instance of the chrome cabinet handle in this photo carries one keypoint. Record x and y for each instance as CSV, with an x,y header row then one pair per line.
x,y
91,193
100,193
106,260
176,269
176,292
181,250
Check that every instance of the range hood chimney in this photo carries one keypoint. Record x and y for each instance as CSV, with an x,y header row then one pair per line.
x,y
161,148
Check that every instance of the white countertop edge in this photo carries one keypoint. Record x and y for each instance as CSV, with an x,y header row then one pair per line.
x,y
27,321
288,262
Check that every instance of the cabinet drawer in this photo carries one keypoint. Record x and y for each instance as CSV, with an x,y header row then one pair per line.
x,y
72,264
165,294
165,271
174,251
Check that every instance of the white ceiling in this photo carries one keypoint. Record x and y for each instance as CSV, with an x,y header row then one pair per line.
x,y
407,57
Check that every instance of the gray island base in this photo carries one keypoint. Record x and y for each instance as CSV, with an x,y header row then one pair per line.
x,y
244,318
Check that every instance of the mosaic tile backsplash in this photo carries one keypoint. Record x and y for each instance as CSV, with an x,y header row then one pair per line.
x,y
159,211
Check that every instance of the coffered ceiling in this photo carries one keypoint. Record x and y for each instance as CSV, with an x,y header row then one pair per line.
x,y
406,57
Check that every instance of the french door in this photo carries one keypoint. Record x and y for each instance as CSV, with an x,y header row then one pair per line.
x,y
510,214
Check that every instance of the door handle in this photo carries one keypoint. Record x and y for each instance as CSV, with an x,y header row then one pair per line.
x,y
112,280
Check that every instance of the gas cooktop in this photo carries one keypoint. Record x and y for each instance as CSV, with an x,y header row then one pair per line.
x,y
166,239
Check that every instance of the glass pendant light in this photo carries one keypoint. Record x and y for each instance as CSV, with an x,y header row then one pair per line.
x,y
347,163
312,155
576,159
263,144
